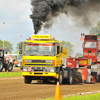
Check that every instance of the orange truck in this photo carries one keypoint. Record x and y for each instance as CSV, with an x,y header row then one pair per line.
x,y
89,65
91,51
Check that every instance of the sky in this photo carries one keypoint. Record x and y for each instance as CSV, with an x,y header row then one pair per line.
x,y
19,27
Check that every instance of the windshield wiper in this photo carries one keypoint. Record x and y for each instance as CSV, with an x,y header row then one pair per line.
x,y
33,55
30,54
47,55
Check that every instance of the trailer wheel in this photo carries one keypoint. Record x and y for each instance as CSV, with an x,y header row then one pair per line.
x,y
61,77
10,67
1,65
27,80
70,79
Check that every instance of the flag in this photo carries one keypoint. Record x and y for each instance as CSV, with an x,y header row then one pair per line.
x,y
99,39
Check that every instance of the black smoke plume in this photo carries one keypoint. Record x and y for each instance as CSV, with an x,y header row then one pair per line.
x,y
44,10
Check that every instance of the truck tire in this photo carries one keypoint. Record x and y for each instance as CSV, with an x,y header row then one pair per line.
x,y
21,67
27,80
77,78
1,65
70,79
61,77
10,67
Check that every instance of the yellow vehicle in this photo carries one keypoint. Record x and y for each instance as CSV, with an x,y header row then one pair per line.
x,y
43,58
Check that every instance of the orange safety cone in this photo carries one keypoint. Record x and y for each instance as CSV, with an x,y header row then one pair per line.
x,y
57,92
7,72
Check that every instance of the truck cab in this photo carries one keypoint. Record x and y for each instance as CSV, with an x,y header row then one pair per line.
x,y
90,50
42,58
90,47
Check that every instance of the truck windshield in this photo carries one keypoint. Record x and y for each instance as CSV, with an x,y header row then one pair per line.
x,y
39,49
90,44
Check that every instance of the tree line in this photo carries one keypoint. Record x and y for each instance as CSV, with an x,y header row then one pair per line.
x,y
7,46
95,31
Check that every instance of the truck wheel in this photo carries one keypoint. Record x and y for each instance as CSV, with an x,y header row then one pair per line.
x,y
70,79
27,80
21,67
10,67
61,77
1,65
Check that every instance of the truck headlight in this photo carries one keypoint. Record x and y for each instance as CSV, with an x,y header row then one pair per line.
x,y
52,70
24,70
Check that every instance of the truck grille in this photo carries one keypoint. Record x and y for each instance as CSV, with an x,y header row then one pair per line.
x,y
38,62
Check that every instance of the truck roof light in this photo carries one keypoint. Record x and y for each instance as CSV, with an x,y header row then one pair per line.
x,y
29,38
53,38
89,51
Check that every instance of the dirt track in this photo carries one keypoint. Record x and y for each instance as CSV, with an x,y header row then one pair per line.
x,y
15,89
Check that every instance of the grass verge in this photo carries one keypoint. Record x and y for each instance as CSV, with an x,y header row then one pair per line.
x,y
10,74
81,97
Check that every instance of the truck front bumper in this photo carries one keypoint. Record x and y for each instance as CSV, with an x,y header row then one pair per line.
x,y
41,74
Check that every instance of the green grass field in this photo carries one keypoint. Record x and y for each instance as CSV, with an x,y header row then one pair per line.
x,y
81,97
10,74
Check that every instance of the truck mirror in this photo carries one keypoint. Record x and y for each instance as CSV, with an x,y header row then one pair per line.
x,y
20,52
20,48
20,45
